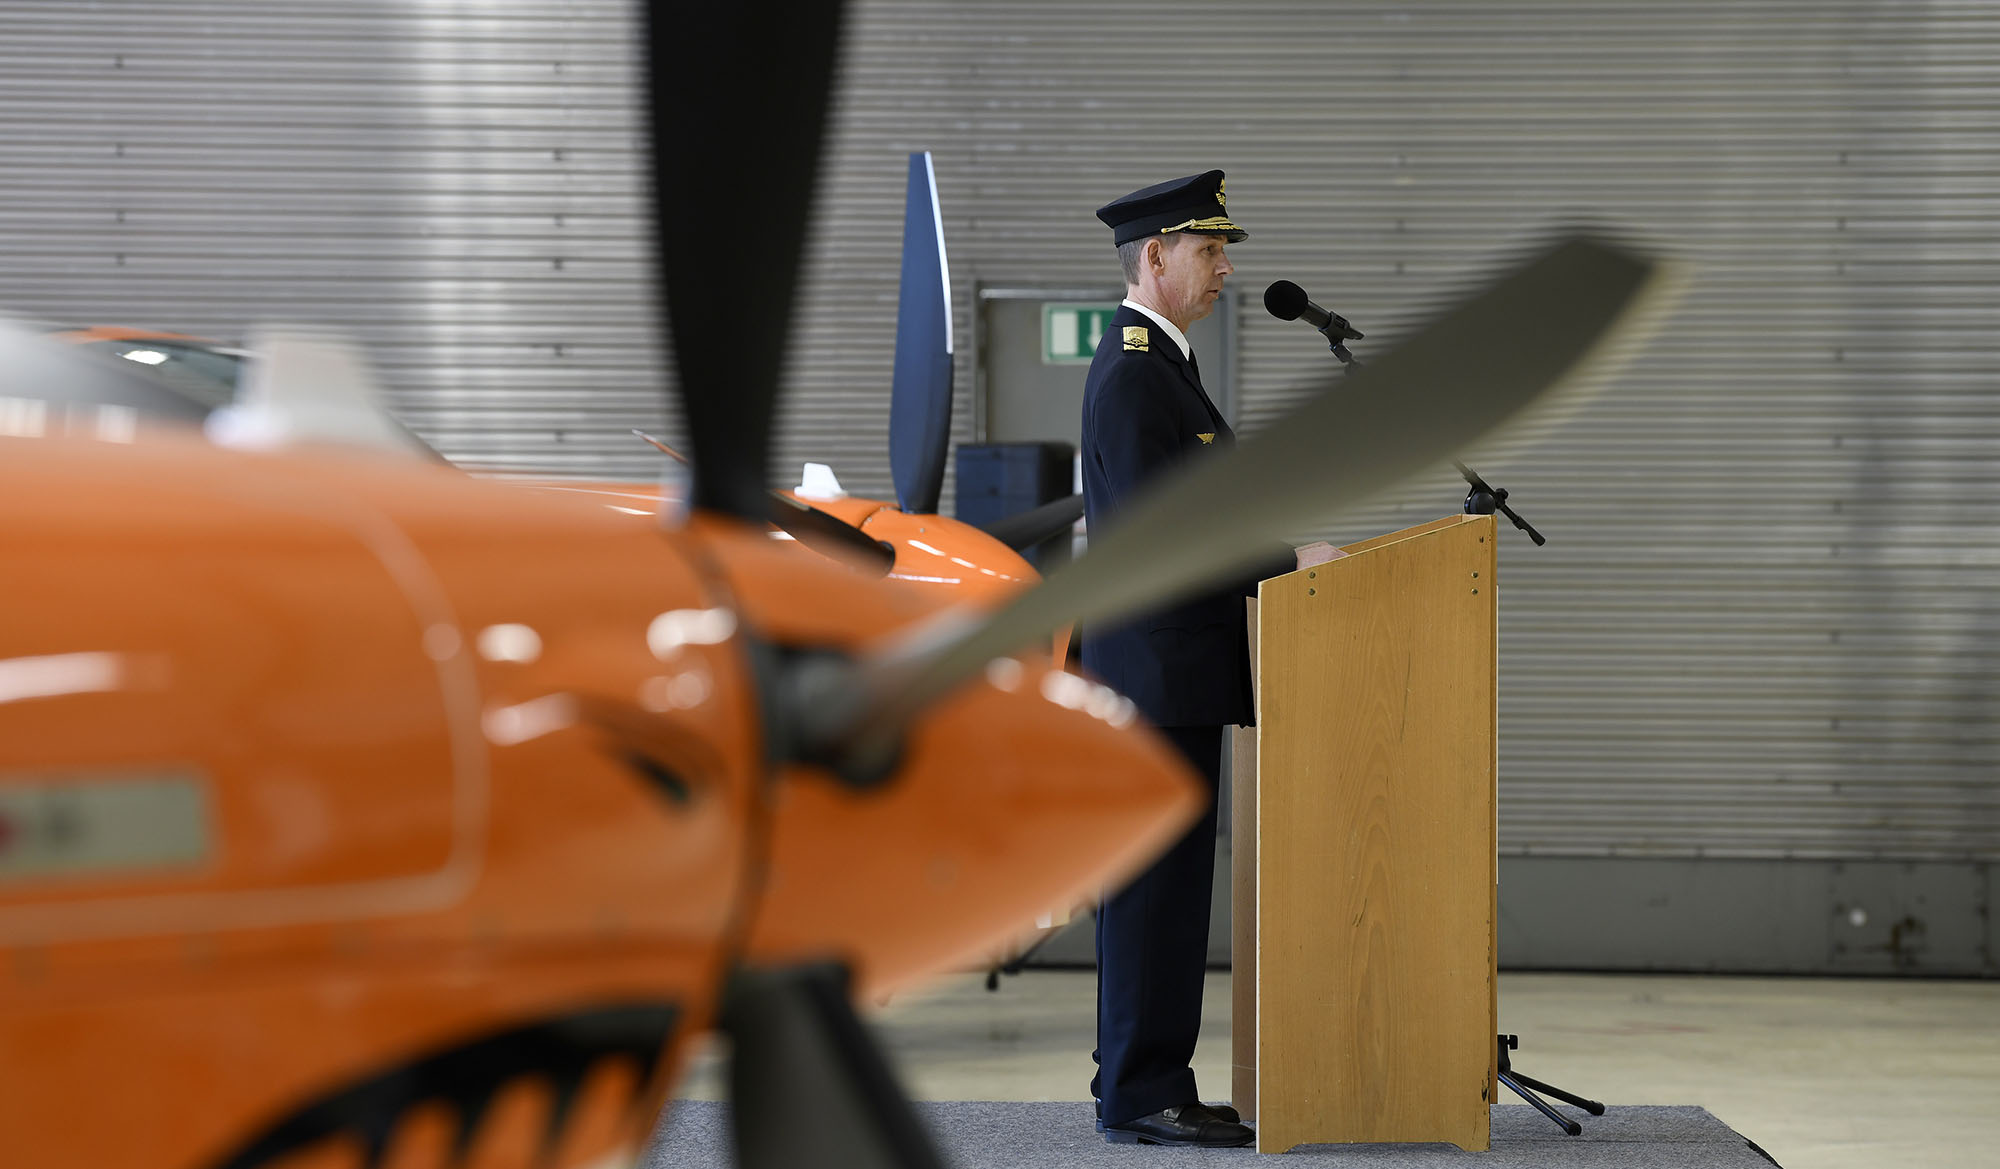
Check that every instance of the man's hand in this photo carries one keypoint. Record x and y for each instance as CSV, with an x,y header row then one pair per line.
x,y
1317,552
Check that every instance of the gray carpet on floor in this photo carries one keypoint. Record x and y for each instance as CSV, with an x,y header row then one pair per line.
x,y
1002,1135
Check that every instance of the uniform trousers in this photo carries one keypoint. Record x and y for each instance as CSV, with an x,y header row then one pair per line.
x,y
1152,955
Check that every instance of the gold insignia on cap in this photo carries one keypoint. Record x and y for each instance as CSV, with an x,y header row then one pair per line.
x,y
1137,338
1220,201
1212,223
1206,438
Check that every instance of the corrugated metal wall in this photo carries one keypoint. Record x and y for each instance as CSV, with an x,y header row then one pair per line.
x,y
454,182
1765,624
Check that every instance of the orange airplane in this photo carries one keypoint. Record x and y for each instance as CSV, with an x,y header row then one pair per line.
x,y
185,378
357,812
181,378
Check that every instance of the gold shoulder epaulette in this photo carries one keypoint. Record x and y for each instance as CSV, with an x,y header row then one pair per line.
x,y
1136,337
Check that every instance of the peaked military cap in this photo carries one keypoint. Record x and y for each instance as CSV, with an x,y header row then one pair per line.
x,y
1195,203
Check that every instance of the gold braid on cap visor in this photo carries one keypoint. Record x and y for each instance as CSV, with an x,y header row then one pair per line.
x,y
1212,223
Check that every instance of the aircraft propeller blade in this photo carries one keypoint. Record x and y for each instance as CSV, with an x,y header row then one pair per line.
x,y
1455,380
1029,528
920,387
807,1084
738,99
831,536
827,535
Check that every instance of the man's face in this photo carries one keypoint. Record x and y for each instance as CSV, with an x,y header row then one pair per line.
x,y
1194,270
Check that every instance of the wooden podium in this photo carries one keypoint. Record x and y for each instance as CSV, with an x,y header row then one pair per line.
x,y
1366,1000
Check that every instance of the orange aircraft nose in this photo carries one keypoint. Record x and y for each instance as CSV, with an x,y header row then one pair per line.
x,y
1028,791
1018,793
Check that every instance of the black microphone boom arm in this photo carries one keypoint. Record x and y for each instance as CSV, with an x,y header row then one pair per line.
x,y
1485,500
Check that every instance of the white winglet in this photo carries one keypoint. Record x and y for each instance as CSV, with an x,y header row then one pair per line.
x,y
307,385
817,482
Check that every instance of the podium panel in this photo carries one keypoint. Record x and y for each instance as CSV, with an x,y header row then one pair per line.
x,y
1375,884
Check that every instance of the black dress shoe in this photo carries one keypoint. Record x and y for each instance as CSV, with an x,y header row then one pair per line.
x,y
1189,1125
1221,1111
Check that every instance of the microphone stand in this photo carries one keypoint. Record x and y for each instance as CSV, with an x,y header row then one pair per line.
x,y
1332,331
1485,500
1482,499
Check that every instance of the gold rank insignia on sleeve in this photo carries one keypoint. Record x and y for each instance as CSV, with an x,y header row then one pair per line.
x,y
1137,338
1206,438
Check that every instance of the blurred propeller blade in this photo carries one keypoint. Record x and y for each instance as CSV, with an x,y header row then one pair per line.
x,y
807,1084
1024,530
1454,381
831,537
738,98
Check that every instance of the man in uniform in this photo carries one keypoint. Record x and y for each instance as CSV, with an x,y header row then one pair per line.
x,y
1186,667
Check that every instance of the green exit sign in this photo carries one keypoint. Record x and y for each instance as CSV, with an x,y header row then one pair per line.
x,y
1070,331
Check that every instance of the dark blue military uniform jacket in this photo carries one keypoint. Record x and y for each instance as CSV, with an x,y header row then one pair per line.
x,y
1145,414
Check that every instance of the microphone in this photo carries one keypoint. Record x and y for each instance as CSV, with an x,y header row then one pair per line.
x,y
1287,302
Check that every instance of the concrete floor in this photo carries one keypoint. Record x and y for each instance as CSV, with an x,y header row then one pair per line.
x,y
1823,1073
